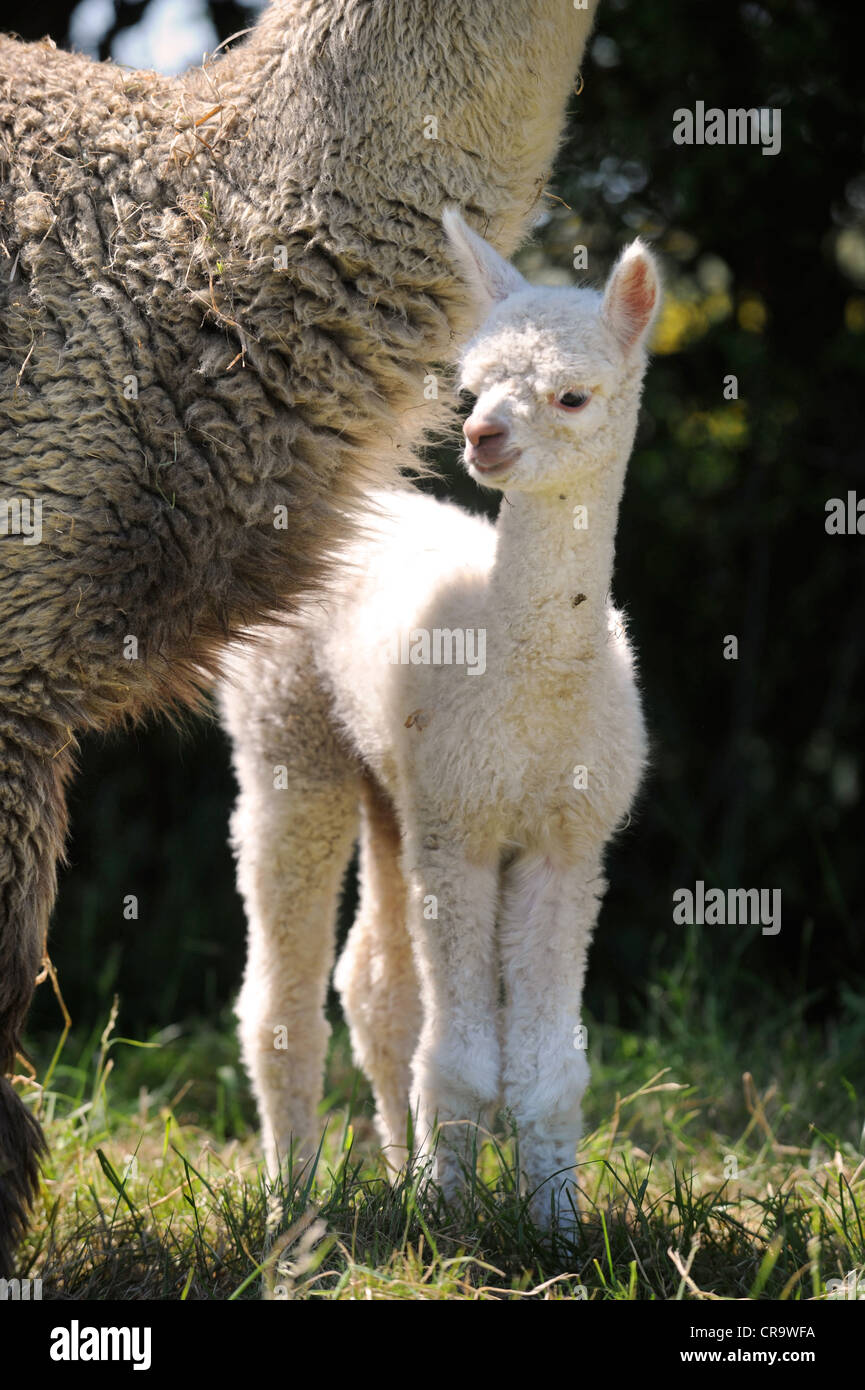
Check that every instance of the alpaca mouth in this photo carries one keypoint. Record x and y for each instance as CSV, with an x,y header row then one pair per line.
x,y
494,467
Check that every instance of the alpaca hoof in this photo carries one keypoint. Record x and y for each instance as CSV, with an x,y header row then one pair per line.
x,y
552,1207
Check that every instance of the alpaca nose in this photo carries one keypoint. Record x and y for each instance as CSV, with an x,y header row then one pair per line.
x,y
488,439
487,427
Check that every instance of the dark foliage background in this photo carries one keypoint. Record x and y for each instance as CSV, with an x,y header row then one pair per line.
x,y
756,779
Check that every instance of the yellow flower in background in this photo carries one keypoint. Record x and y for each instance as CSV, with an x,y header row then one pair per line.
x,y
854,314
681,322
726,426
718,306
752,315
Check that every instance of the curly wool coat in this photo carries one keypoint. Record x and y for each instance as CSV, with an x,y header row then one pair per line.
x,y
219,295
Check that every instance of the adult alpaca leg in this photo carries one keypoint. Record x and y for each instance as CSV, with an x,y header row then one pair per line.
x,y
32,832
376,976
545,927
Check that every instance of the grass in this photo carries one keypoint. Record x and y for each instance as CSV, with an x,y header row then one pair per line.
x,y
724,1161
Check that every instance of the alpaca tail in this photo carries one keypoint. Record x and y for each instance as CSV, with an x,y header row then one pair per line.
x,y
32,831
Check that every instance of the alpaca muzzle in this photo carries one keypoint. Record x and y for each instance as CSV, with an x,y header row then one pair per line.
x,y
488,444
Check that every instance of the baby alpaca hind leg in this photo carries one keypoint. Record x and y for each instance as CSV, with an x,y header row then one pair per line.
x,y
376,977
545,928
293,829
294,847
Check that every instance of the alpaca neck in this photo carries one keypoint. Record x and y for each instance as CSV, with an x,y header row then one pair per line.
x,y
429,101
551,578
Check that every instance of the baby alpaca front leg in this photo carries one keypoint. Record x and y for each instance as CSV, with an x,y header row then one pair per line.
x,y
545,928
456,1069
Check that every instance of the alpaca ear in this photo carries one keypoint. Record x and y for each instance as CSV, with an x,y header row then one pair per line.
x,y
633,295
489,276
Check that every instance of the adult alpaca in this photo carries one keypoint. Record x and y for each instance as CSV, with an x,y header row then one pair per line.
x,y
217,295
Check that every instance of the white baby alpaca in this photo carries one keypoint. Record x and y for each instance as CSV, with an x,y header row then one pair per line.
x,y
487,790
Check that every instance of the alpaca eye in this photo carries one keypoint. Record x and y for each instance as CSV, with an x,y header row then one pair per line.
x,y
468,399
573,400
